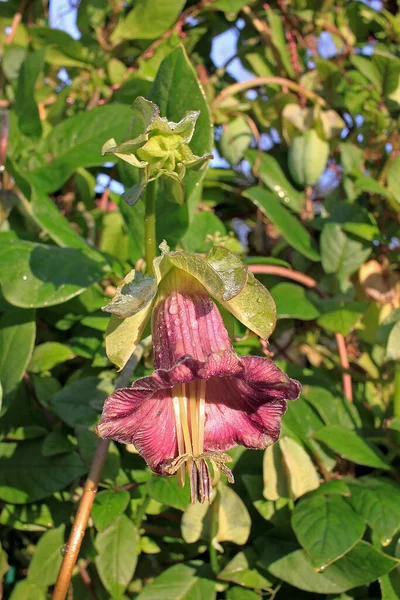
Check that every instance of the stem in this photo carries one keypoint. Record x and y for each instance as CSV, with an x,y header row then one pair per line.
x,y
150,226
233,89
341,343
89,492
396,397
81,518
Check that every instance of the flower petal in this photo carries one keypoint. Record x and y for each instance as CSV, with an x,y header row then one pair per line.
x,y
130,416
248,409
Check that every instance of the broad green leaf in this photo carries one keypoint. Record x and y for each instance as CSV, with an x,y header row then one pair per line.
x,y
35,275
352,158
108,505
332,409
167,491
360,566
292,302
204,225
196,523
308,155
27,476
242,570
76,142
393,345
235,139
25,106
238,593
274,178
46,561
276,484
177,90
76,403
56,443
27,589
342,319
390,585
180,582
350,445
333,486
327,528
124,335
17,339
303,476
116,558
341,254
48,355
368,69
290,228
148,20
377,500
134,293
234,521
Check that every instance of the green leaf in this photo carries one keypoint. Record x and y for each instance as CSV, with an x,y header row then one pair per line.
x,y
177,90
48,355
242,571
235,139
303,476
17,339
76,142
393,178
327,528
180,582
238,593
25,106
342,319
278,39
290,228
393,345
377,501
47,558
56,443
26,475
332,409
203,225
35,275
132,295
307,158
108,505
27,589
360,566
274,178
117,555
351,446
333,486
341,254
76,403
166,491
368,69
148,20
394,424
292,302
234,521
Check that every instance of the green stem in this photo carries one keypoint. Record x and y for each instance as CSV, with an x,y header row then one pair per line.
x,y
396,397
150,226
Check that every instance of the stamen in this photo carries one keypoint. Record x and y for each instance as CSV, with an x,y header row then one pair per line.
x,y
184,419
201,409
180,475
193,417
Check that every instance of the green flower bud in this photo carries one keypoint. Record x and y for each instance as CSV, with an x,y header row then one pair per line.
x,y
159,148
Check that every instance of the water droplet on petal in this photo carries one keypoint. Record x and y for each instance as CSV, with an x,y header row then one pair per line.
x,y
173,309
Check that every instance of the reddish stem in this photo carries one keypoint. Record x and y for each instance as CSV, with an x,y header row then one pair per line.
x,y
312,284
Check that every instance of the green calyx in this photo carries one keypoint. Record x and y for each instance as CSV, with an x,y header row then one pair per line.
x,y
159,148
220,272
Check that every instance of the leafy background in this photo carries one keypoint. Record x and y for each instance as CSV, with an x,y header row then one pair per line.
x,y
304,98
